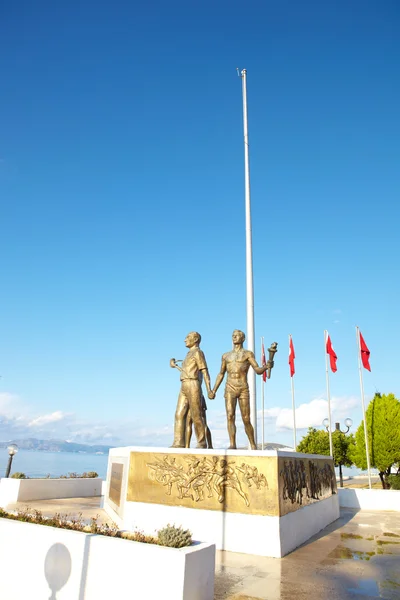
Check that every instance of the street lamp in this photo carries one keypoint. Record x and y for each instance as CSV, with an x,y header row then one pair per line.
x,y
348,423
12,451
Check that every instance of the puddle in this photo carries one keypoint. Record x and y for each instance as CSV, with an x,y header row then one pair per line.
x,y
381,551
370,587
344,553
351,536
366,587
384,542
390,585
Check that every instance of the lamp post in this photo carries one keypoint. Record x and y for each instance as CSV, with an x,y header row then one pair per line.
x,y
348,423
12,451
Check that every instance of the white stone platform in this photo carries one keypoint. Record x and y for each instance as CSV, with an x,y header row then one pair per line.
x,y
266,503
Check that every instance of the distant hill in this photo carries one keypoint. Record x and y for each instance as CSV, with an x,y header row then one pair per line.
x,y
270,446
56,446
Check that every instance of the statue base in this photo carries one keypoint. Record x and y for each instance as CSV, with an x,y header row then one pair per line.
x,y
266,503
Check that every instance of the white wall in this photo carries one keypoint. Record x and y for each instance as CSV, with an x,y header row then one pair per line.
x,y
24,490
297,527
249,534
39,562
366,499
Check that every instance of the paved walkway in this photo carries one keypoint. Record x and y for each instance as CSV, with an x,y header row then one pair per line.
x,y
87,507
356,557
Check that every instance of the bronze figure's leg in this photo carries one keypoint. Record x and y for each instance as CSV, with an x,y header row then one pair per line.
x,y
209,438
244,404
230,405
204,412
189,426
180,420
193,391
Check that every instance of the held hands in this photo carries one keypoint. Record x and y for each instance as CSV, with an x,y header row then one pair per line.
x,y
211,395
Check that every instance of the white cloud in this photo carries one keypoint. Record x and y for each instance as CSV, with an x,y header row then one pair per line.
x,y
58,415
311,414
10,405
18,421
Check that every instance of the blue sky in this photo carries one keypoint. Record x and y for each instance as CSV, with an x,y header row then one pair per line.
x,y
122,198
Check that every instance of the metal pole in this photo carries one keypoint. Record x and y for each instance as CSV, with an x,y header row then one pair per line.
x,y
294,414
8,470
249,262
328,393
363,408
262,401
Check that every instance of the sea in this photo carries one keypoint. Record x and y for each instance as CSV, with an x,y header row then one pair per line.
x,y
54,464
42,464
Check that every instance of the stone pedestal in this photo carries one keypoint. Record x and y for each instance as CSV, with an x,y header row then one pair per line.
x,y
264,503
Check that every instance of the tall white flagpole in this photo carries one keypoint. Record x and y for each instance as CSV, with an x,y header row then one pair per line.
x,y
328,393
262,398
293,406
363,408
249,262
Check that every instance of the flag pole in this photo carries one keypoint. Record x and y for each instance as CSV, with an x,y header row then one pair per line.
x,y
363,408
262,400
293,406
249,261
328,393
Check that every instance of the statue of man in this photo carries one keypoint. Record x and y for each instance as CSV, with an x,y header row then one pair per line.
x,y
190,396
237,363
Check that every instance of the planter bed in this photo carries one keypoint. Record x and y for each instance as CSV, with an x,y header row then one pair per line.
x,y
40,561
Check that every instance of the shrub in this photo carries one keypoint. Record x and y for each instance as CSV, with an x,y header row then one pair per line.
x,y
394,482
138,536
19,475
174,537
62,521
88,475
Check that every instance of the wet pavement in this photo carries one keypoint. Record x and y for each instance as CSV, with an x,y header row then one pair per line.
x,y
356,557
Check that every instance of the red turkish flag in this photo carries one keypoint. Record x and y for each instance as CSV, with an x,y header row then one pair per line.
x,y
263,362
364,353
292,356
332,354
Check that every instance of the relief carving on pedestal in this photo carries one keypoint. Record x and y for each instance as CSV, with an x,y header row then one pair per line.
x,y
299,485
202,476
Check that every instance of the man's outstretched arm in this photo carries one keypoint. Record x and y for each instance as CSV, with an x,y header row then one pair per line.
x,y
254,364
220,375
173,365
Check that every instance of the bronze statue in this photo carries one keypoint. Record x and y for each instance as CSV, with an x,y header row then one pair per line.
x,y
189,422
190,394
272,350
237,363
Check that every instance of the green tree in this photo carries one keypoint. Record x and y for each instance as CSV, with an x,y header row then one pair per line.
x,y
383,427
317,442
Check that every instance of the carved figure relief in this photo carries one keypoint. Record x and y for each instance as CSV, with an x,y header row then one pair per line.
x,y
206,476
296,483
